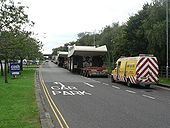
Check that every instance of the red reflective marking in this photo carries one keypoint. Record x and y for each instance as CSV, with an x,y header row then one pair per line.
x,y
153,65
142,65
140,61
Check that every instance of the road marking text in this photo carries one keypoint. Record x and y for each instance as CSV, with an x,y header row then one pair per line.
x,y
62,89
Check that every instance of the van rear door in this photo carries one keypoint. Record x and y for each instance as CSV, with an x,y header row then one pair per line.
x,y
147,70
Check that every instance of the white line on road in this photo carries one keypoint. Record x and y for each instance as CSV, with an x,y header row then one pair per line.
x,y
92,79
130,91
149,97
56,82
105,84
96,81
116,87
88,84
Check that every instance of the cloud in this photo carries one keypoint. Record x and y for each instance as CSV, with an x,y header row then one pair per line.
x,y
62,20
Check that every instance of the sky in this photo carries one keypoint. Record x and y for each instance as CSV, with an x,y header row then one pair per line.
x,y
59,21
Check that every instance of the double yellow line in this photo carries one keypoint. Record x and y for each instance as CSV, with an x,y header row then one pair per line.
x,y
53,106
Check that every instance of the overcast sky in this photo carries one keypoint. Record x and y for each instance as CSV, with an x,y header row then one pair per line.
x,y
59,21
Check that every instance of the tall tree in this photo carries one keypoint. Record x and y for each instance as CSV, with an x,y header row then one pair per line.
x,y
155,30
12,18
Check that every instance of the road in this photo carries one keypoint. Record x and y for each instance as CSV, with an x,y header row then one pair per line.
x,y
75,101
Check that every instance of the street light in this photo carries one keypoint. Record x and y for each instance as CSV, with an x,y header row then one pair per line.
x,y
94,38
167,41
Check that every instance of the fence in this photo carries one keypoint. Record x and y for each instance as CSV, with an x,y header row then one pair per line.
x,y
162,71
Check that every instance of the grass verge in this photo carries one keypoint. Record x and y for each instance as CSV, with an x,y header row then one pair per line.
x,y
164,81
31,66
18,107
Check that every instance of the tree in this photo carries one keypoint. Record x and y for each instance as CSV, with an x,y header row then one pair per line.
x,y
144,32
12,18
155,30
137,41
25,46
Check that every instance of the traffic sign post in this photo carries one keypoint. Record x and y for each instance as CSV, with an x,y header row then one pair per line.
x,y
15,69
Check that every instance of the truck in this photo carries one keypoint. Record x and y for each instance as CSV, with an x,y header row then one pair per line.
x,y
139,70
87,60
61,59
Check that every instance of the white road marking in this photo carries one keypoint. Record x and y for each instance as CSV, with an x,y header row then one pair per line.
x,y
105,84
92,79
56,82
64,90
88,84
130,91
95,81
149,97
116,87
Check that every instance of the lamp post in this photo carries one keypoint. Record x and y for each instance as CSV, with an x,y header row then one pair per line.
x,y
167,41
94,38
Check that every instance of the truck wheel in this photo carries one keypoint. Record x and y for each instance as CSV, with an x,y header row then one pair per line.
x,y
112,79
129,84
87,74
83,73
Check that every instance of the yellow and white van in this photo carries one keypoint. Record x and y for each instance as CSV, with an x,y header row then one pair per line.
x,y
142,69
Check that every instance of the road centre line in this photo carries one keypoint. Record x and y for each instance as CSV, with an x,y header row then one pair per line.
x,y
130,91
88,84
105,84
115,87
153,98
50,100
94,80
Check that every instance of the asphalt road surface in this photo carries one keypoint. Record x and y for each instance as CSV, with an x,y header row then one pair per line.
x,y
75,101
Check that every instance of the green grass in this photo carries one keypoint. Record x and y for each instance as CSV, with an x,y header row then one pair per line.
x,y
165,81
18,107
31,66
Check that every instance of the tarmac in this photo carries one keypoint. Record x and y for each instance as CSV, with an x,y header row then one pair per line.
x,y
45,118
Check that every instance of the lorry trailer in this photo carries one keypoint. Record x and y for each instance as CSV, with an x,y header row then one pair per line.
x,y
87,60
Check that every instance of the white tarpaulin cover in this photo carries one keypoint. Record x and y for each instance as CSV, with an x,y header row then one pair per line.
x,y
86,50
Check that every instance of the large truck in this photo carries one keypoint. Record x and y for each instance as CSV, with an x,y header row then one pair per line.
x,y
142,69
61,59
87,60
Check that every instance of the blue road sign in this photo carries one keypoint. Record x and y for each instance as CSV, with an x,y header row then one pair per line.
x,y
15,69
